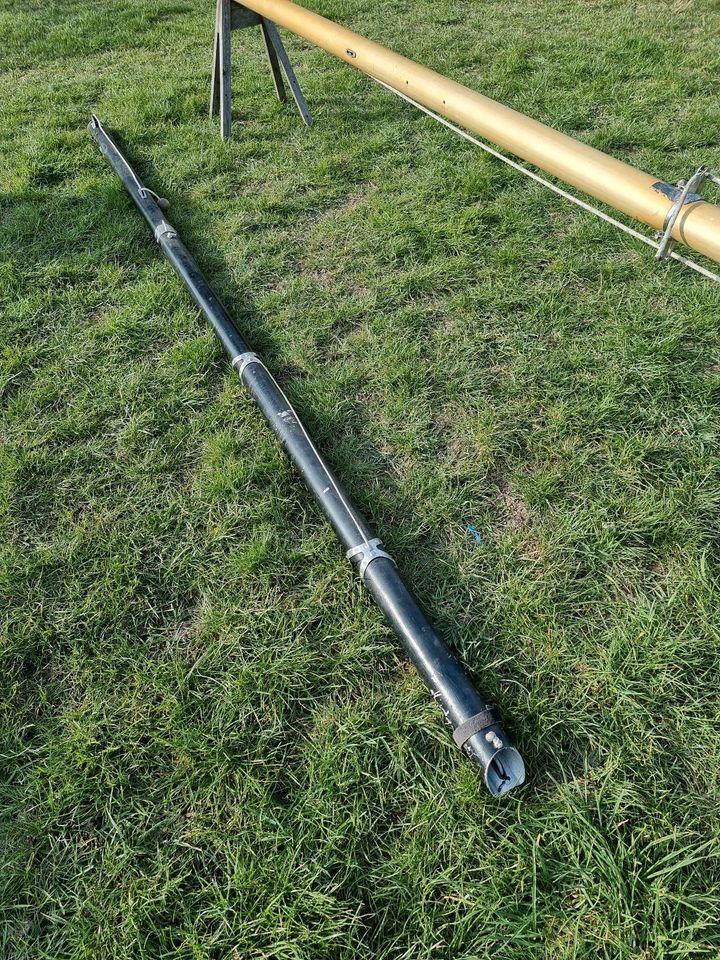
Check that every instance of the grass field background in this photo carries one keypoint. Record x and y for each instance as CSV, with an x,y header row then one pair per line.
x,y
212,746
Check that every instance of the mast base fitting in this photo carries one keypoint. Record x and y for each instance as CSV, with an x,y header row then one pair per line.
x,y
482,738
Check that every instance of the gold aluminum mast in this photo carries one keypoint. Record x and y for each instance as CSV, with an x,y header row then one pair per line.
x,y
612,181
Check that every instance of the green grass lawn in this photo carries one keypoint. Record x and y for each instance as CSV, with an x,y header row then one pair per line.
x,y
212,746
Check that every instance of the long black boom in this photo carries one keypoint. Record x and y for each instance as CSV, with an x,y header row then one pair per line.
x,y
476,727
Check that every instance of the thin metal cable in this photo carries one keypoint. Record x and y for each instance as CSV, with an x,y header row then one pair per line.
x,y
547,183
141,186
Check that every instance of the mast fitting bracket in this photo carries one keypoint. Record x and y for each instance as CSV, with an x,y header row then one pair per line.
x,y
682,195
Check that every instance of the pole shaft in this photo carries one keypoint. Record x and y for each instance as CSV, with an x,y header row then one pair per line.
x,y
612,181
461,704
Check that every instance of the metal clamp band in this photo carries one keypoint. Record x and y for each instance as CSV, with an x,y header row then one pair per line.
x,y
480,721
243,359
164,229
682,195
369,551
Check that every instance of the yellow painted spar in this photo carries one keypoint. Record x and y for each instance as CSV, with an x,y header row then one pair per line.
x,y
603,177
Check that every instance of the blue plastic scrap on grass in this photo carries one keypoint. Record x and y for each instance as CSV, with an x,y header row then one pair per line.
x,y
475,534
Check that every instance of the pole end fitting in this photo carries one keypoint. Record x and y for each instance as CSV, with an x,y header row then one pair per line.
x,y
483,739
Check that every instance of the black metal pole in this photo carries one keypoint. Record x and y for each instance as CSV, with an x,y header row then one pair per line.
x,y
476,728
